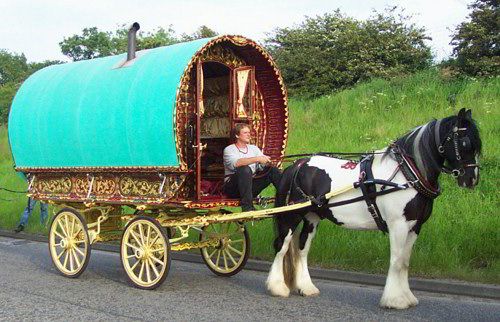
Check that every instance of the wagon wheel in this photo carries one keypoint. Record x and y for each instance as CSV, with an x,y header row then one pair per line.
x,y
145,252
231,255
69,243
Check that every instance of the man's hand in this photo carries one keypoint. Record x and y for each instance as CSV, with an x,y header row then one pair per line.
x,y
264,159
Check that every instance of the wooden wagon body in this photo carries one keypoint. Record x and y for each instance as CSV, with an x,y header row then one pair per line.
x,y
147,133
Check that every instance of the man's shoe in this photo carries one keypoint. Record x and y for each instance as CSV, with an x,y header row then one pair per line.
x,y
247,208
19,228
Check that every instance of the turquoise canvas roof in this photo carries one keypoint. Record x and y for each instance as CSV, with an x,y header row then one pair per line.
x,y
94,113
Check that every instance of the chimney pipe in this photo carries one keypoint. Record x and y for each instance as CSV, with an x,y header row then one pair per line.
x,y
132,40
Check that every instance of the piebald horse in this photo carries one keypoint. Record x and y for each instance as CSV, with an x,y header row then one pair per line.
x,y
413,163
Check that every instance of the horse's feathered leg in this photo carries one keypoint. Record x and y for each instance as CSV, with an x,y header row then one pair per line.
x,y
410,241
303,282
395,294
276,279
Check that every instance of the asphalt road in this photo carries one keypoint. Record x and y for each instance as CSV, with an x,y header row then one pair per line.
x,y
31,289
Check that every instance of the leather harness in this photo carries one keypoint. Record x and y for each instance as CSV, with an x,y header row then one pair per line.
x,y
368,186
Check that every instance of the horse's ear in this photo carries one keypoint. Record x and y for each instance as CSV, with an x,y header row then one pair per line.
x,y
461,113
468,114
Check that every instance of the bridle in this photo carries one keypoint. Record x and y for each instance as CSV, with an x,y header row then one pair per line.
x,y
453,137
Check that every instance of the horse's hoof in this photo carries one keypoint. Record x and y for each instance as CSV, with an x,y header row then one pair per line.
x,y
399,303
308,291
413,301
278,289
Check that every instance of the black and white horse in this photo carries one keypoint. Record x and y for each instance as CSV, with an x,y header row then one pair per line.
x,y
452,143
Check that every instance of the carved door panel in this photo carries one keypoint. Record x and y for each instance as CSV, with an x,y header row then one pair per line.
x,y
199,112
243,92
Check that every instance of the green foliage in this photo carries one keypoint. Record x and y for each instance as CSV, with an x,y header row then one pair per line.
x,y
202,32
7,92
13,67
477,42
330,52
92,42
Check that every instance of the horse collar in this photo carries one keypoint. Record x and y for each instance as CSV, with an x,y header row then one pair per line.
x,y
413,175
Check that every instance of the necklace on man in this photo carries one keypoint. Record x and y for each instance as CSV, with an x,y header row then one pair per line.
x,y
241,150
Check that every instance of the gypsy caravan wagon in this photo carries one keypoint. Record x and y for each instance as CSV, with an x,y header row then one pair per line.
x,y
134,142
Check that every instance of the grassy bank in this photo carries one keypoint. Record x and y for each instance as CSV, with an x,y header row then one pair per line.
x,y
461,238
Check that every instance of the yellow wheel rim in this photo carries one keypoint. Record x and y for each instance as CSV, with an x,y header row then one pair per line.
x,y
144,255
69,243
230,254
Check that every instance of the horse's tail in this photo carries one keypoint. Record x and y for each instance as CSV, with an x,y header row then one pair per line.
x,y
290,261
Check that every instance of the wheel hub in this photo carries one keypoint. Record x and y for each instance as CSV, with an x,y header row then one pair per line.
x,y
67,243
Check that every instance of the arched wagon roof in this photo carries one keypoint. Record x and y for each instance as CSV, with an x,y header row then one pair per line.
x,y
100,113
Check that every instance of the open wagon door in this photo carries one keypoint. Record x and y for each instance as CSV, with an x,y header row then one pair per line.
x,y
199,112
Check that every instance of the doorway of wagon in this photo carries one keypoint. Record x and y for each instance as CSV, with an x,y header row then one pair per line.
x,y
215,125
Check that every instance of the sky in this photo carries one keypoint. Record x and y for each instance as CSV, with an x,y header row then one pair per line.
x,y
35,27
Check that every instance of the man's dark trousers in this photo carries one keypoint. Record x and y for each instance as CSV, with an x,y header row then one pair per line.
x,y
242,184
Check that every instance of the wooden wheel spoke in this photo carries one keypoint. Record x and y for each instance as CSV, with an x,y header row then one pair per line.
x,y
218,258
237,240
155,270
141,234
148,235
225,259
234,250
71,265
156,260
135,265
66,259
78,231
132,233
78,263
60,254
141,271
148,272
67,225
154,240
79,241
72,226
231,257
80,251
133,246
62,228
212,254
58,234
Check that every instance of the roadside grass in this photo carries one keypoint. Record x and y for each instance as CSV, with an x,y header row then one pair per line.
x,y
461,238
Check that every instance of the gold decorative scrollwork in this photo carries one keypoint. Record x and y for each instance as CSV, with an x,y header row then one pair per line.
x,y
103,186
223,55
53,185
139,187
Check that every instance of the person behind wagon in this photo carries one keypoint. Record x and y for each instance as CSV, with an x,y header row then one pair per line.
x,y
27,213
247,170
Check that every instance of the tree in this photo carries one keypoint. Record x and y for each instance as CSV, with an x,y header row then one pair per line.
x,y
202,32
94,43
333,51
476,42
13,67
7,92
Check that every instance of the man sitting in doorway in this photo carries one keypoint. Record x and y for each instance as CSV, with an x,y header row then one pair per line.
x,y
247,170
